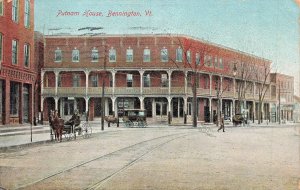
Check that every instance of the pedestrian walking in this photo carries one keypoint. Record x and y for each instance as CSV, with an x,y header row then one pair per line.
x,y
222,123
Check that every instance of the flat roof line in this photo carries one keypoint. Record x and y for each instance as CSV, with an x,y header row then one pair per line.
x,y
160,35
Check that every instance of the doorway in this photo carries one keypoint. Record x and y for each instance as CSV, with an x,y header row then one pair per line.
x,y
25,103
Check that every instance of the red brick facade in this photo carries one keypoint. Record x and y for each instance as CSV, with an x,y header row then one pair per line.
x,y
160,86
17,77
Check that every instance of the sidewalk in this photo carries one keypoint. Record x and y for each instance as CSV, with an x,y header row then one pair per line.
x,y
19,136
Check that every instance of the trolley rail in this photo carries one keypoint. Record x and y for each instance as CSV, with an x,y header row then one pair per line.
x,y
136,152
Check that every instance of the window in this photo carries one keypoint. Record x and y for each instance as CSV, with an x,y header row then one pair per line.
x,y
95,55
26,55
59,81
27,14
110,78
188,56
208,60
216,62
147,80
164,55
129,80
129,55
57,55
206,84
221,63
75,55
189,80
1,46
161,108
112,55
179,54
76,80
94,80
68,107
229,86
164,80
147,55
197,58
273,91
15,10
217,85
14,99
1,7
15,52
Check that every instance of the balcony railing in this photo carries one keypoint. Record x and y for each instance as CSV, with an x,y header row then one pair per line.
x,y
202,91
127,90
98,90
71,91
156,90
249,95
177,90
94,91
49,91
227,93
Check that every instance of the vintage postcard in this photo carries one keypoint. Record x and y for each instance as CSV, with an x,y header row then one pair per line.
x,y
149,94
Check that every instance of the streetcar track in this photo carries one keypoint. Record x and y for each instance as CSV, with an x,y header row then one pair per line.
x,y
97,158
106,179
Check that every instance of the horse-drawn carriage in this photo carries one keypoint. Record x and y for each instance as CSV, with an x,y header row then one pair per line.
x,y
134,117
238,119
70,127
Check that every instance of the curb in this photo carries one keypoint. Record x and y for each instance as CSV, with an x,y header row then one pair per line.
x,y
26,145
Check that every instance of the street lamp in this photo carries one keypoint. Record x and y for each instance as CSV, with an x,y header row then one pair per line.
x,y
234,74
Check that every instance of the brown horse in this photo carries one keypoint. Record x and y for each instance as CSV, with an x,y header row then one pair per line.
x,y
57,124
111,119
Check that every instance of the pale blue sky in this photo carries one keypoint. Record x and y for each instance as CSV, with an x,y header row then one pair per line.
x,y
266,28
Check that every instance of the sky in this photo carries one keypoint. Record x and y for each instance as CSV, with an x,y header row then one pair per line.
x,y
265,28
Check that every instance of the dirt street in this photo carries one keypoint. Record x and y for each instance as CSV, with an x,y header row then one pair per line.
x,y
160,158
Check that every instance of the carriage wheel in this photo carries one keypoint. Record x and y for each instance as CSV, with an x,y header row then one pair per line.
x,y
141,123
72,136
128,123
86,130
67,136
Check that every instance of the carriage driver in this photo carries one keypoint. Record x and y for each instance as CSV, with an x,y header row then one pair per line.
x,y
75,121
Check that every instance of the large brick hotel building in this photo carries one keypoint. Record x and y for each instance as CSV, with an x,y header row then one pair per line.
x,y
17,73
149,72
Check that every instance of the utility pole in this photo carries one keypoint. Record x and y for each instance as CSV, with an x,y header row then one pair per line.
x,y
195,83
279,109
103,87
32,109
219,110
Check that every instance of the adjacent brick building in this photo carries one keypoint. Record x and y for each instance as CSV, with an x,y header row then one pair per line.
x,y
152,72
284,95
17,74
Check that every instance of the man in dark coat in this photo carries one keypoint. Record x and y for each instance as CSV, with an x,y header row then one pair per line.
x,y
222,123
